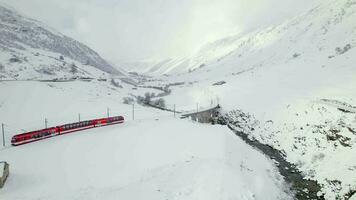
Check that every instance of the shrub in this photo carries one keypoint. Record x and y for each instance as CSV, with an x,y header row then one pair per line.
x,y
15,59
128,100
160,103
73,68
116,84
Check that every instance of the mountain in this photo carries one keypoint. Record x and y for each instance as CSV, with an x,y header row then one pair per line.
x,y
290,86
328,28
31,49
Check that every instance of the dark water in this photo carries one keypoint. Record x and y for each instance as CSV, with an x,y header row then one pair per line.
x,y
303,189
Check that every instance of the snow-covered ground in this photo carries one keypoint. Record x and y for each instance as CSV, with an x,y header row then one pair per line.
x,y
156,156
24,105
297,81
165,158
2,166
291,86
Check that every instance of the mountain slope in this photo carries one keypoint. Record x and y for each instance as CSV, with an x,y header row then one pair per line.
x,y
329,29
291,86
23,40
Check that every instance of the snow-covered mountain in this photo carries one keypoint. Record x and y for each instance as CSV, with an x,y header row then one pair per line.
x,y
30,49
291,86
327,31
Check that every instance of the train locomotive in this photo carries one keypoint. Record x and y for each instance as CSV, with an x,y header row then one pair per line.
x,y
33,136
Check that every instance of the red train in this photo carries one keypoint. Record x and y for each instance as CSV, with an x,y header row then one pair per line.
x,y
25,138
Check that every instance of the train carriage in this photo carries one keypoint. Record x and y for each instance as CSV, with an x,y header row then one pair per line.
x,y
33,136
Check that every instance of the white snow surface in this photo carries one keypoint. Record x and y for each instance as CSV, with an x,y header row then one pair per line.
x,y
151,159
156,156
297,80
2,167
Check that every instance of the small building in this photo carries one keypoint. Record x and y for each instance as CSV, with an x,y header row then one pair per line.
x,y
4,173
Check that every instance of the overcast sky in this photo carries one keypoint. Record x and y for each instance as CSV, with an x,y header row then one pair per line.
x,y
142,29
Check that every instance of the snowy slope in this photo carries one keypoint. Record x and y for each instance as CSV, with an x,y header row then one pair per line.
x,y
125,162
291,86
295,80
156,156
319,31
30,49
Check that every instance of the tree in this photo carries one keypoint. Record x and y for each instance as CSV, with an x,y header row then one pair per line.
x,y
147,98
73,68
140,100
160,103
128,100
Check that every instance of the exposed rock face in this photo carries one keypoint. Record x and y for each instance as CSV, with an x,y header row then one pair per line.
x,y
4,173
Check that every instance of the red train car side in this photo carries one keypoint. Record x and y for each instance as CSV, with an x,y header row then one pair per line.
x,y
33,136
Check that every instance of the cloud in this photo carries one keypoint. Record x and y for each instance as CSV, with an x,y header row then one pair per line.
x,y
139,29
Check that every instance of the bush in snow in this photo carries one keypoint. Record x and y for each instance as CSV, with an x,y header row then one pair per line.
x,y
343,50
148,97
128,100
15,59
116,84
2,67
73,68
159,103
46,71
140,100
296,55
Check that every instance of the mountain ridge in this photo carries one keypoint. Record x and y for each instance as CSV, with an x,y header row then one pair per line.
x,y
21,35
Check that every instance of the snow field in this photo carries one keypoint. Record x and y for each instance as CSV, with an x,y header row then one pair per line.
x,y
144,159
